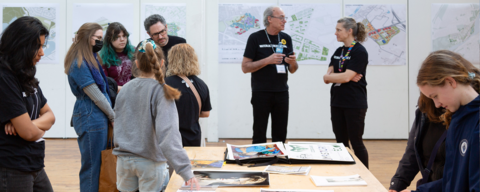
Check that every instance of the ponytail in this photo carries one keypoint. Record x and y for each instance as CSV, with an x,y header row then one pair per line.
x,y
361,35
149,62
359,31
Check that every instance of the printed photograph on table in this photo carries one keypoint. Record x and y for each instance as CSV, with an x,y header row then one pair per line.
x,y
232,178
264,150
47,13
206,163
293,190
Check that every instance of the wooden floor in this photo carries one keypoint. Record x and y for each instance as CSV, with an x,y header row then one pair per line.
x,y
62,160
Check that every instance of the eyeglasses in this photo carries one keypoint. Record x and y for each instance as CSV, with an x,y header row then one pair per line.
x,y
281,18
162,33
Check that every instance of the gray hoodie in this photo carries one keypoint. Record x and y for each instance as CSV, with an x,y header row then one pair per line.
x,y
146,125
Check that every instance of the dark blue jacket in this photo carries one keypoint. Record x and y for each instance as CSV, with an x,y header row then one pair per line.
x,y
462,164
411,162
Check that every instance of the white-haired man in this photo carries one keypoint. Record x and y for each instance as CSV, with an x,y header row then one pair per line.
x,y
269,57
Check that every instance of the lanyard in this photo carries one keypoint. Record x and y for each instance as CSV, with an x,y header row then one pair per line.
x,y
342,58
270,41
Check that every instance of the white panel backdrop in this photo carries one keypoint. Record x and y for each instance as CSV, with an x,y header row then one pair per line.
x,y
392,93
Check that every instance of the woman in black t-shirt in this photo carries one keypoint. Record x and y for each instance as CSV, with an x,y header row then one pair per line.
x,y
347,73
24,112
183,64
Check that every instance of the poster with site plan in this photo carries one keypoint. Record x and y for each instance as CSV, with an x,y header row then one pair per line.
x,y
312,28
174,13
47,13
116,12
455,28
386,26
235,24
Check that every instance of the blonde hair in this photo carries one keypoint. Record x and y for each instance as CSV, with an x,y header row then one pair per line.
x,y
182,60
442,64
148,62
81,48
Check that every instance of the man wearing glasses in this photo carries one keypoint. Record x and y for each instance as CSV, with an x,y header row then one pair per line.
x,y
269,57
157,29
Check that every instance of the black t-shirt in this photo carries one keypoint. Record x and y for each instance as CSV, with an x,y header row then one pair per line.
x,y
15,152
351,94
258,47
172,41
187,105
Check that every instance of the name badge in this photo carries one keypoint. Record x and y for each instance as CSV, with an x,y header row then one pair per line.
x,y
337,84
281,68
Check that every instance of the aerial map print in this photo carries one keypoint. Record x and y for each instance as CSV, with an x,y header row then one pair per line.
x,y
455,28
312,28
46,13
386,26
236,23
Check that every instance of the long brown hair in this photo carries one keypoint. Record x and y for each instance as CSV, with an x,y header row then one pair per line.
x,y
148,62
427,106
81,48
182,60
442,64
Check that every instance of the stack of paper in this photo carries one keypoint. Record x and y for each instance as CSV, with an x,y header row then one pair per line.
x,y
338,180
294,170
293,190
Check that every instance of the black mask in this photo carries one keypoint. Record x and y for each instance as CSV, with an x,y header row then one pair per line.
x,y
98,45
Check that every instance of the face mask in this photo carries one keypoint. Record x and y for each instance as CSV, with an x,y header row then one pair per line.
x,y
98,45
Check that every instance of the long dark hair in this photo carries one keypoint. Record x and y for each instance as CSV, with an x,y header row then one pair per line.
x,y
108,53
19,45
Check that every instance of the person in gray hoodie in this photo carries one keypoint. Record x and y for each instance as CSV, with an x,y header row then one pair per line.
x,y
146,132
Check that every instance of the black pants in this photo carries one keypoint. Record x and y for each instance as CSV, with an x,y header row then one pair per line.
x,y
18,181
348,125
264,104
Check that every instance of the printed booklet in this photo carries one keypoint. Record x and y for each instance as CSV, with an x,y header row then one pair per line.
x,y
291,153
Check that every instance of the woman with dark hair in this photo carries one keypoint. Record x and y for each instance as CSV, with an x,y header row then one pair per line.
x,y
93,109
348,103
117,54
24,112
426,133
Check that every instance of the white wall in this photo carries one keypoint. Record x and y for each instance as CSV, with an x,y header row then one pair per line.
x,y
392,93
420,12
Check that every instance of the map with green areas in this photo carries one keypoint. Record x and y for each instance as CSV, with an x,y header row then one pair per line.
x,y
386,31
48,17
455,28
312,28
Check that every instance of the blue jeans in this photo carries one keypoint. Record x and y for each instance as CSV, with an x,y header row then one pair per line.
x,y
19,181
137,173
92,140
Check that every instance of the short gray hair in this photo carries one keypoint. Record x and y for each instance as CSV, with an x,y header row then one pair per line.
x,y
152,20
266,13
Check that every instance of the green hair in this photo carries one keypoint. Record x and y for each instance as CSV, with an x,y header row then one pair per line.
x,y
108,54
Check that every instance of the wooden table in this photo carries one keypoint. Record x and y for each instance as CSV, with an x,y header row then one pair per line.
x,y
278,181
